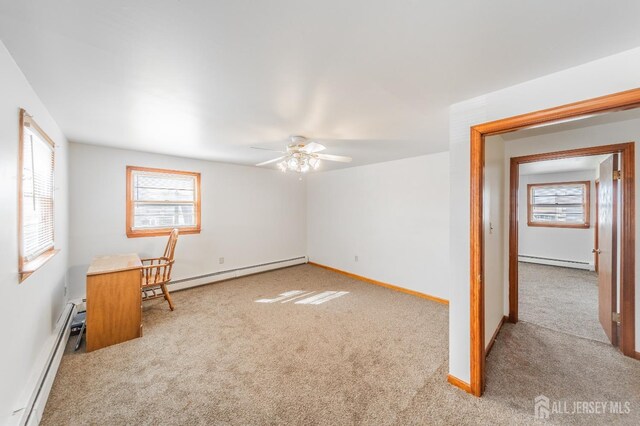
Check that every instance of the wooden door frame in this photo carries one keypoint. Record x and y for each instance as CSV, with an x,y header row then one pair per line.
x,y
596,221
614,102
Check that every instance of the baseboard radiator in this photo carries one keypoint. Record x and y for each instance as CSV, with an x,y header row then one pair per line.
x,y
227,274
556,262
31,412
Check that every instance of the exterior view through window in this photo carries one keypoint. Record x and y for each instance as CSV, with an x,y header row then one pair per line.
x,y
559,204
160,200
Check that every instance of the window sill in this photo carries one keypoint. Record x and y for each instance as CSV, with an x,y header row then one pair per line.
x,y
160,232
32,266
559,225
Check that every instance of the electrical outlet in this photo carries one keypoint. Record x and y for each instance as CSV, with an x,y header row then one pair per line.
x,y
356,258
221,260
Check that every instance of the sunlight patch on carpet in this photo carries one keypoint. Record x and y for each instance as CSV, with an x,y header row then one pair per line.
x,y
304,298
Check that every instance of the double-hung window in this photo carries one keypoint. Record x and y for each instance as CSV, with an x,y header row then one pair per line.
x,y
160,200
35,196
564,205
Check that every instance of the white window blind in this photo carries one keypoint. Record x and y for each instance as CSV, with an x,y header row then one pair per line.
x,y
559,204
163,200
37,195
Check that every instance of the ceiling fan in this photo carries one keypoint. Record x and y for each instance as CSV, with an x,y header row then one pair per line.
x,y
301,156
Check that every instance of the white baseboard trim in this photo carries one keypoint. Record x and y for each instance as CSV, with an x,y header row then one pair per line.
x,y
589,266
184,283
38,387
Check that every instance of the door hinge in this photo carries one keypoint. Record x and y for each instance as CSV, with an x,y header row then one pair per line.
x,y
615,317
617,175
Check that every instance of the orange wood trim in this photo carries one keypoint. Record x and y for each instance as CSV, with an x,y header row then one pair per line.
x,y
380,283
613,102
570,153
616,101
163,232
27,120
558,225
628,251
459,383
596,237
495,334
476,316
586,206
160,232
636,355
21,261
616,291
28,268
514,183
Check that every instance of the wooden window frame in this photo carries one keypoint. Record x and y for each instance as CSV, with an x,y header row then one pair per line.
x,y
586,205
27,268
158,232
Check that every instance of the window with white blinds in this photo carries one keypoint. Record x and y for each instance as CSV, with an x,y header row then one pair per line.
x,y
36,193
160,200
563,204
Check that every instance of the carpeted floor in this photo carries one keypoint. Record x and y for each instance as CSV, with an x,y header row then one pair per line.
x,y
563,299
528,361
372,356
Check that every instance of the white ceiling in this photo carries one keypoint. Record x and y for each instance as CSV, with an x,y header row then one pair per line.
x,y
563,165
371,79
569,164
581,122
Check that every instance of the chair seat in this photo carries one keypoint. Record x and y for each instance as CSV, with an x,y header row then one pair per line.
x,y
153,282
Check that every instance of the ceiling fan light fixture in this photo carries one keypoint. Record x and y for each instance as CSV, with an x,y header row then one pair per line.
x,y
302,157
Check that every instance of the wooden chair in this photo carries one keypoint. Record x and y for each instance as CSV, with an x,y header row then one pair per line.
x,y
156,272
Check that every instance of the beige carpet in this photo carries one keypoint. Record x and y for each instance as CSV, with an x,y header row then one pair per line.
x,y
373,356
563,299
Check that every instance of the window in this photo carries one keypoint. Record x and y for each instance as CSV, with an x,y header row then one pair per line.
x,y
160,200
564,205
35,197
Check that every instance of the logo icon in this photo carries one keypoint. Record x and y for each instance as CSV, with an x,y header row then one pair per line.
x,y
541,407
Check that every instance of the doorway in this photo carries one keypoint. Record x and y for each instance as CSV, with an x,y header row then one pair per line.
x,y
555,284
614,102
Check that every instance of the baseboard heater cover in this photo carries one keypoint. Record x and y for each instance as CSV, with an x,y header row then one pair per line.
x,y
226,274
31,414
556,262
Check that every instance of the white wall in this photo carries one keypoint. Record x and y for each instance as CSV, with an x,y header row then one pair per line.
x,y
494,237
29,309
394,216
608,75
249,215
572,244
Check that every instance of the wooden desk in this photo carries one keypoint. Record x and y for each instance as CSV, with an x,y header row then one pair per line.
x,y
114,300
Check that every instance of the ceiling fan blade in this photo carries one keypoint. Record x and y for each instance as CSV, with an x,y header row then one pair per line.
x,y
264,163
312,147
330,157
267,149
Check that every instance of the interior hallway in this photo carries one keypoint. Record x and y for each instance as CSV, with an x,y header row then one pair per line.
x,y
561,299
